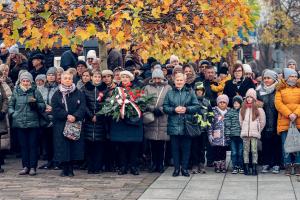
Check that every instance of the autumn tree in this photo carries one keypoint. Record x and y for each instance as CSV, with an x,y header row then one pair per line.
x,y
191,29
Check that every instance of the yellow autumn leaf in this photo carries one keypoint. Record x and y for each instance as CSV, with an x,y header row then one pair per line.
x,y
35,33
120,36
126,16
156,12
1,7
136,23
91,29
84,35
179,17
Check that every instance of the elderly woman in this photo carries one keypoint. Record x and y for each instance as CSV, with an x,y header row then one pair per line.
x,y
180,103
68,104
24,107
128,133
238,85
287,103
156,131
271,141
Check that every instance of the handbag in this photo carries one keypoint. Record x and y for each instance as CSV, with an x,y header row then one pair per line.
x,y
292,142
192,128
72,130
148,117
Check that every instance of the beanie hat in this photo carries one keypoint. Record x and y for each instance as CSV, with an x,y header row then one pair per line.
x,y
14,49
91,54
199,86
158,73
271,74
41,77
81,62
26,75
107,72
247,68
278,70
287,72
2,45
223,70
51,70
223,98
251,93
127,73
157,66
238,99
292,61
173,58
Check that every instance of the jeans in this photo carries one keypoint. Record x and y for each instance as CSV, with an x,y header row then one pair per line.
x,y
181,148
129,154
271,149
287,157
94,155
236,146
28,140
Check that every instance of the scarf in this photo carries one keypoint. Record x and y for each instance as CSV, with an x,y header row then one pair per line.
x,y
248,105
264,90
24,89
223,112
65,90
291,83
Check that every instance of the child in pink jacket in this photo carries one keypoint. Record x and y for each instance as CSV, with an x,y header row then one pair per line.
x,y
252,121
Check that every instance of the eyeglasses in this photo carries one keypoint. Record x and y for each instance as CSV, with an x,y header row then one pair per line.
x,y
239,70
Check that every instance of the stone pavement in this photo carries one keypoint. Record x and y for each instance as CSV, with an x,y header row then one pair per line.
x,y
48,185
212,186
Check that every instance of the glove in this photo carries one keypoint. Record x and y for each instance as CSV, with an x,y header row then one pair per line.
x,y
33,105
157,112
2,116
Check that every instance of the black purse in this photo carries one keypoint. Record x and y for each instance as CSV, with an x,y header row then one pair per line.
x,y
192,128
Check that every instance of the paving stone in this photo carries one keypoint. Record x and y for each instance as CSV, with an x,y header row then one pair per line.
x,y
161,194
169,184
191,194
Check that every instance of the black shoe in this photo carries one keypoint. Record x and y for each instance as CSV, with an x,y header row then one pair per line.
x,y
254,170
246,169
71,171
152,169
161,169
122,171
185,172
134,171
64,172
176,172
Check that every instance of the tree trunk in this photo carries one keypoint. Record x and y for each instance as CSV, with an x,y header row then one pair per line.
x,y
102,55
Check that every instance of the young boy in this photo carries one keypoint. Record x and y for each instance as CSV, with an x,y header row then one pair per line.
x,y
205,118
233,131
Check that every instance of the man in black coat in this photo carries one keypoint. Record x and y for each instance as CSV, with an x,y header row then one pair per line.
x,y
69,58
48,58
38,65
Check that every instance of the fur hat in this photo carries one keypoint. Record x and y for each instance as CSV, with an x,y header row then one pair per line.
x,y
247,68
222,98
107,72
26,75
251,93
158,73
127,73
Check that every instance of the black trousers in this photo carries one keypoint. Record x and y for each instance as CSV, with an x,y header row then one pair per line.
x,y
271,150
94,155
219,153
111,155
46,135
181,149
129,154
28,140
158,149
198,150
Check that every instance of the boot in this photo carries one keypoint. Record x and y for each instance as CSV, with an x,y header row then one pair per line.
x,y
217,166
288,170
254,169
297,169
176,172
185,172
71,170
246,171
161,169
223,166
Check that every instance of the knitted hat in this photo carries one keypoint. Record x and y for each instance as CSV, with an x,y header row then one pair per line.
x,y
2,45
247,68
127,73
38,56
157,66
271,74
91,54
223,70
51,70
158,73
41,77
14,49
107,72
199,86
251,93
81,62
292,61
173,58
287,72
223,98
278,70
26,75
238,99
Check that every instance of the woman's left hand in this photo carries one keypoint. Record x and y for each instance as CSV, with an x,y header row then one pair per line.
x,y
71,118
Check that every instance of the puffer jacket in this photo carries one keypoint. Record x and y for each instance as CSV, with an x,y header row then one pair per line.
x,y
287,101
252,128
216,134
94,131
175,97
231,123
157,130
23,116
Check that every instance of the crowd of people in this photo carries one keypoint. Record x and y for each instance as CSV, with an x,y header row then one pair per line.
x,y
241,112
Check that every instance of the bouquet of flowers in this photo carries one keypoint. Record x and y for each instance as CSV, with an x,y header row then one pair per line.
x,y
125,103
